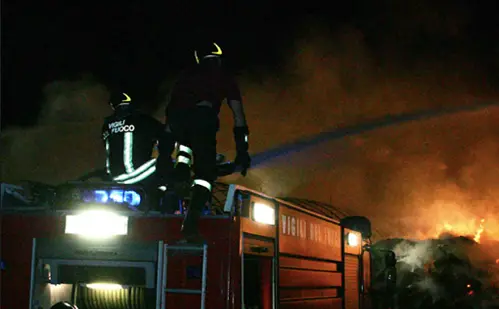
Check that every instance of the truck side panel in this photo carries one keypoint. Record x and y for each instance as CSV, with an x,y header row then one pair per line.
x,y
310,259
18,232
352,292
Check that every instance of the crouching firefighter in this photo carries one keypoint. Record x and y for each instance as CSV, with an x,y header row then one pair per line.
x,y
192,117
137,145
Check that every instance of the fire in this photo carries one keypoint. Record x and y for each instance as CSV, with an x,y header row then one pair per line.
x,y
463,229
479,232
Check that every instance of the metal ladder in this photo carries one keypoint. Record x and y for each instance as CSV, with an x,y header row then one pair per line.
x,y
164,267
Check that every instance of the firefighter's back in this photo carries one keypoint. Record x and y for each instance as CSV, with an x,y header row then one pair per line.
x,y
132,136
200,83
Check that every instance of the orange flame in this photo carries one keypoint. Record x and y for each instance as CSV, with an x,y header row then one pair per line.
x,y
463,229
480,231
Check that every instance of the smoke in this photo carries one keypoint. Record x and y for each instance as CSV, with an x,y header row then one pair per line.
x,y
429,285
65,142
413,180
68,102
414,256
412,259
409,179
443,268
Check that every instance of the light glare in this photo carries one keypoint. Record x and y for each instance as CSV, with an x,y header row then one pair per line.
x,y
104,286
352,239
263,213
96,224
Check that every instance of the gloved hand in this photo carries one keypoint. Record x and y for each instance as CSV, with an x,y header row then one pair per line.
x,y
242,158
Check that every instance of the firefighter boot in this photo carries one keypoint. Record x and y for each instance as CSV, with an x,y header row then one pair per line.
x,y
182,182
190,227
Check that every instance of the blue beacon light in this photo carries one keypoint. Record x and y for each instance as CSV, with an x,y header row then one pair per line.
x,y
131,198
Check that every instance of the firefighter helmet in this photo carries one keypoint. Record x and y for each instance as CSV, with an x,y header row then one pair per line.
x,y
207,51
119,98
63,305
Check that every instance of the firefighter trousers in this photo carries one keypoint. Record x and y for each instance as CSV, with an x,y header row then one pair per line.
x,y
195,131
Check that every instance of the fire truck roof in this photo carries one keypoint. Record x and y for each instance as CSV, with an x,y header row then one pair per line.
x,y
324,209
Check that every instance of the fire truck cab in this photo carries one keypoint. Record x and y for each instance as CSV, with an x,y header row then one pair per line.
x,y
92,245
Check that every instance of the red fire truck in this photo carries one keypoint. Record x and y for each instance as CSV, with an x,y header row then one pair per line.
x,y
93,245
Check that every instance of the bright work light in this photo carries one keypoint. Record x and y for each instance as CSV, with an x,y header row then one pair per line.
x,y
263,213
104,286
352,239
96,224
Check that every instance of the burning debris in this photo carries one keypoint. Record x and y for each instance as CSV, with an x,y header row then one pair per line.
x,y
446,272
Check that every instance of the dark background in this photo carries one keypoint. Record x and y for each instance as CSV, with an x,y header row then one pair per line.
x,y
140,44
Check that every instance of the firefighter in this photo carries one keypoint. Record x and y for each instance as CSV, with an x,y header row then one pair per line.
x,y
134,143
63,305
390,273
192,117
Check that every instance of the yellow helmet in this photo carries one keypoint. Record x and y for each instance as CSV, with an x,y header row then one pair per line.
x,y
119,98
208,51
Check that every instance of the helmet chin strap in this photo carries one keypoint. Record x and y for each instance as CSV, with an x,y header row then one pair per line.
x,y
121,104
213,58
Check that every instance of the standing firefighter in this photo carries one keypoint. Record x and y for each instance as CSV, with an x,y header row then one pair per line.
x,y
192,116
390,280
132,140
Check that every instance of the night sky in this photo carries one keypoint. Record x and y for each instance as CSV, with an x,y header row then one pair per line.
x,y
130,43
139,44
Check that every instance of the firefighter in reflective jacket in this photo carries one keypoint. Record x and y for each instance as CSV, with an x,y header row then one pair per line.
x,y
134,143
192,117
